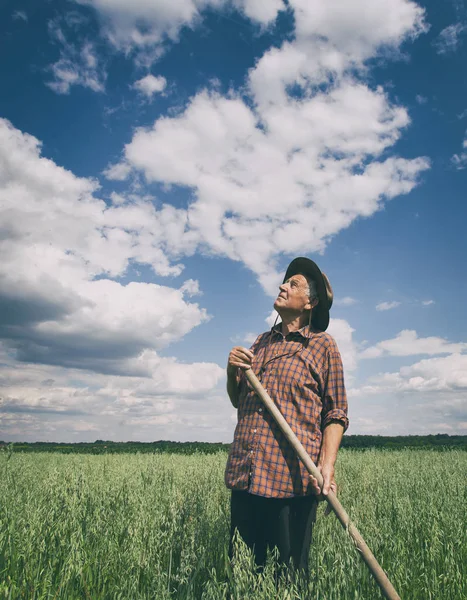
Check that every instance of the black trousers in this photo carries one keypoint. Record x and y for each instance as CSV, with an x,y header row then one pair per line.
x,y
265,523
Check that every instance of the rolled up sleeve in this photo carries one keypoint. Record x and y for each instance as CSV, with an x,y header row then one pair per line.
x,y
335,398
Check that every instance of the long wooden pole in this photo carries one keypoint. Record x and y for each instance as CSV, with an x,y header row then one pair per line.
x,y
381,578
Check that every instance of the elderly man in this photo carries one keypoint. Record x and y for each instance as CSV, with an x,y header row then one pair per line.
x,y
274,499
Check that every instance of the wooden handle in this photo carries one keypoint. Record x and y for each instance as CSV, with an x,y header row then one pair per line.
x,y
381,578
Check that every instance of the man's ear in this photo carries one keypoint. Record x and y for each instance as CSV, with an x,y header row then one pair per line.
x,y
312,304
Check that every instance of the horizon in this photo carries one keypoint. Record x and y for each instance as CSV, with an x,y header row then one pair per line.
x,y
214,443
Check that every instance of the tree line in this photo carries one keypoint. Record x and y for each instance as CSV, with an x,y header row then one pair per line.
x,y
439,441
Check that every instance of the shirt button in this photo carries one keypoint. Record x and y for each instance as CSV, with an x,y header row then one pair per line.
x,y
260,410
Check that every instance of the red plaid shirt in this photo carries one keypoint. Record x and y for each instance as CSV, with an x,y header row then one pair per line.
x,y
303,374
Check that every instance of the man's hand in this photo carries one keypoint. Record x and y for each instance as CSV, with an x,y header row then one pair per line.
x,y
329,483
239,357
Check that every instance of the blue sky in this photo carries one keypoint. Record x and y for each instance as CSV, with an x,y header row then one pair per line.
x,y
160,165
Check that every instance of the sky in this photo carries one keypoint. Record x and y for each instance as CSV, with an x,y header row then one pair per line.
x,y
162,163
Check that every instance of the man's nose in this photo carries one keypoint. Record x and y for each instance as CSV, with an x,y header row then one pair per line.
x,y
283,287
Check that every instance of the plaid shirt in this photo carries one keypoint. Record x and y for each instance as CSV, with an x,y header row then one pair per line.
x,y
303,374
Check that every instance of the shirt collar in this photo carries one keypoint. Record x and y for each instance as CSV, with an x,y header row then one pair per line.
x,y
305,332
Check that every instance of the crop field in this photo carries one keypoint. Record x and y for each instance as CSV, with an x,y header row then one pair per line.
x,y
156,526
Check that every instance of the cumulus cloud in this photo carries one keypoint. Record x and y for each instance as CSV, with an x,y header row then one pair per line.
x,y
146,26
261,12
118,172
459,161
357,29
150,85
191,288
249,338
387,305
345,301
449,38
426,397
61,249
78,64
264,176
342,332
437,373
440,374
51,402
407,343
271,318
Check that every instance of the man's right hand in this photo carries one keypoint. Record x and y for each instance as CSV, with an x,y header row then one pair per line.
x,y
239,357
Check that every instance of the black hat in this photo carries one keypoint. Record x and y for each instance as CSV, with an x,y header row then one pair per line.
x,y
320,313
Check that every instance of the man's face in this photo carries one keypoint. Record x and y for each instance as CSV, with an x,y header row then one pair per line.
x,y
293,296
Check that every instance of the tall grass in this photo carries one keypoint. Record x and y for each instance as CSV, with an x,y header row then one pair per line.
x,y
156,526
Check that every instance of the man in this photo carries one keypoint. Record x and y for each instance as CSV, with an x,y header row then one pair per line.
x,y
274,499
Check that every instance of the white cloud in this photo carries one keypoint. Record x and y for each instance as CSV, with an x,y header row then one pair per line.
x,y
271,318
241,174
446,374
150,85
407,343
51,402
421,99
355,30
118,172
449,372
428,302
20,15
58,302
449,39
359,28
387,305
146,26
258,10
342,332
345,301
191,288
320,151
78,64
249,338
431,395
459,161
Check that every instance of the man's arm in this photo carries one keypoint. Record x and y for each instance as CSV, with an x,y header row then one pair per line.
x,y
332,436
334,422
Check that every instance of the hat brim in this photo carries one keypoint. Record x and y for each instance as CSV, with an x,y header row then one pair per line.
x,y
305,266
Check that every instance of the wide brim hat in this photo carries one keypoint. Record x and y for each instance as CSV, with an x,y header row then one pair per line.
x,y
320,313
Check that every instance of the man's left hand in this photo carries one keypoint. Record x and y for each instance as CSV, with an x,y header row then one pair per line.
x,y
329,483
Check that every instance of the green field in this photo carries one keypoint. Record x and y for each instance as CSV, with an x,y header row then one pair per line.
x,y
156,526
